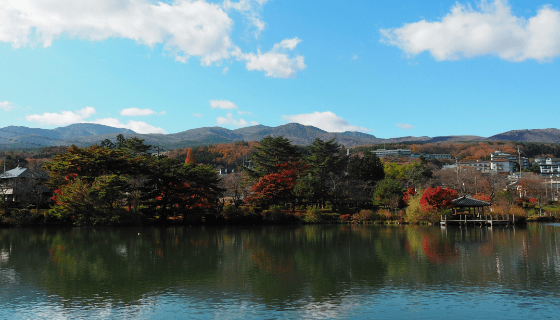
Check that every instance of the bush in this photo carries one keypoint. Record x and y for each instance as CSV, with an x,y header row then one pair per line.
x,y
364,216
250,214
24,217
231,213
346,217
385,215
275,214
313,215
518,212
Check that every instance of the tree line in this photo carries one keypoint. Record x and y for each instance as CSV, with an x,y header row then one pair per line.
x,y
125,182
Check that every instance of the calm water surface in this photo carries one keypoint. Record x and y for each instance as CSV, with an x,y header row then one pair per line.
x,y
313,272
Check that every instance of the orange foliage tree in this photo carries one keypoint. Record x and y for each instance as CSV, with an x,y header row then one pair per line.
x,y
483,197
190,156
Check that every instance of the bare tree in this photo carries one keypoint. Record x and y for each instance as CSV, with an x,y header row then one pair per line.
x,y
237,186
534,186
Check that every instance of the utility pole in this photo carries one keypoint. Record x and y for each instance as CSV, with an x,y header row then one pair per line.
x,y
519,153
457,168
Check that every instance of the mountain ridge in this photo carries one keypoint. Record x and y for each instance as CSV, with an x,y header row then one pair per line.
x,y
85,134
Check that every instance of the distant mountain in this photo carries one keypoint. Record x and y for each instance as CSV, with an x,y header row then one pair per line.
x,y
85,134
24,137
535,135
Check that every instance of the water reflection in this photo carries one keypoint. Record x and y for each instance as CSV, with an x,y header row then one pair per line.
x,y
314,271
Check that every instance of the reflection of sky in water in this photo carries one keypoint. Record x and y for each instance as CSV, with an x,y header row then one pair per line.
x,y
356,303
363,273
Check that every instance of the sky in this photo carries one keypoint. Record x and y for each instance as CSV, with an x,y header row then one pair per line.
x,y
387,68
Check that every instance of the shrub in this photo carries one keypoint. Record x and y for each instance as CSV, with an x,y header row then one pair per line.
x,y
25,217
250,214
385,215
363,216
231,213
518,212
346,217
313,215
275,213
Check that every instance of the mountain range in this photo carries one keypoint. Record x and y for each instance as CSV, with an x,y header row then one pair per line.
x,y
85,134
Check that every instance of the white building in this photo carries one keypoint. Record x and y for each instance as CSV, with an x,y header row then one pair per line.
x,y
550,167
399,153
500,157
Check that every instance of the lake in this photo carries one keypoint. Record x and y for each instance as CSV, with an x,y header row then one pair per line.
x,y
288,272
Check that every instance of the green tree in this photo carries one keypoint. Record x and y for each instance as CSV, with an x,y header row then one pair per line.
x,y
308,189
89,163
131,146
327,162
368,168
173,187
363,174
12,161
417,173
388,191
86,203
271,153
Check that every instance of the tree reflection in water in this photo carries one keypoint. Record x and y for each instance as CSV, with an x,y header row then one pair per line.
x,y
277,266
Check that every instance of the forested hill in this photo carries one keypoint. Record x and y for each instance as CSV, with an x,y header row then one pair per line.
x,y
85,134
535,135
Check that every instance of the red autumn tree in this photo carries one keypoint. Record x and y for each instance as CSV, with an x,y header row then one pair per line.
x,y
437,198
483,197
190,156
277,188
408,194
273,188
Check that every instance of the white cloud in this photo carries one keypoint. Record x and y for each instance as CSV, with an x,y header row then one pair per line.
x,y
225,70
276,63
327,121
185,28
136,126
69,117
138,112
63,118
230,120
254,123
198,115
491,29
245,112
405,126
222,104
251,9
6,105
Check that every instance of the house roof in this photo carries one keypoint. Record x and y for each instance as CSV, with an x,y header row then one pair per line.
x,y
465,201
22,173
14,173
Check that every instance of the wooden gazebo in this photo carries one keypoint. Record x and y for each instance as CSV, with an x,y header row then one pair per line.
x,y
477,207
468,202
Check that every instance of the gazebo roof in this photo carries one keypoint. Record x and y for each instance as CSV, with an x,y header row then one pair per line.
x,y
465,201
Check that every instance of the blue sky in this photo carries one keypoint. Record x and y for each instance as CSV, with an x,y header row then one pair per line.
x,y
387,68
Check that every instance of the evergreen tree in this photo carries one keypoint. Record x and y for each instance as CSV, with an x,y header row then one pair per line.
x,y
327,163
271,153
387,191
363,174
